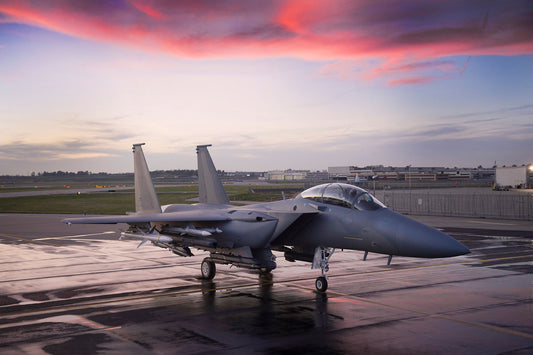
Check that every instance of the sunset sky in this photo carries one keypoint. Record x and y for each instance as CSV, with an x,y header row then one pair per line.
x,y
271,84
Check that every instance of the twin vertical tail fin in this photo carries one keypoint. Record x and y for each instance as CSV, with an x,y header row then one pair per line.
x,y
145,197
210,187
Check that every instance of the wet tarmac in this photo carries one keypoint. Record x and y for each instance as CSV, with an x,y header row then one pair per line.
x,y
79,290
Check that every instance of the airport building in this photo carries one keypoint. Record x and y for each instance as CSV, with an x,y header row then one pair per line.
x,y
380,172
514,177
296,175
287,175
406,173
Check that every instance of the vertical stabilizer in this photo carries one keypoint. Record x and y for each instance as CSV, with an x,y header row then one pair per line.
x,y
145,197
209,185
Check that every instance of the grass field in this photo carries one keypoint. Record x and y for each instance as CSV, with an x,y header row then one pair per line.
x,y
103,202
95,203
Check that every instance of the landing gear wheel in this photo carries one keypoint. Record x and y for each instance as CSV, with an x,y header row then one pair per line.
x,y
321,260
321,284
208,269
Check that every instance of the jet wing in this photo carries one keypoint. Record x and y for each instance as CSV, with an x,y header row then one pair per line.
x,y
182,216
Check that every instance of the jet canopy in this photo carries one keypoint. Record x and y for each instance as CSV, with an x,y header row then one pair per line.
x,y
343,195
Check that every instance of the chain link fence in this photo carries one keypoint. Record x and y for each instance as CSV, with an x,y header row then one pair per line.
x,y
500,205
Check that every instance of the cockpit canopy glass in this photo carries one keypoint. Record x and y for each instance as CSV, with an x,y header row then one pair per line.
x,y
344,195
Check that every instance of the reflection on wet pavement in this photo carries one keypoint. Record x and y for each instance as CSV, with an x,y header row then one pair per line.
x,y
93,293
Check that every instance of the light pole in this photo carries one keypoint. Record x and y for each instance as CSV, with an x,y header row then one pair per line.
x,y
529,176
409,175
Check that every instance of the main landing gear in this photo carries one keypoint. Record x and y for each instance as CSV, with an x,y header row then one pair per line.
x,y
321,260
208,269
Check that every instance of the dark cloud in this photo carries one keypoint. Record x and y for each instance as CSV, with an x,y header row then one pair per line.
x,y
103,130
265,32
525,108
436,35
47,151
358,149
465,151
436,131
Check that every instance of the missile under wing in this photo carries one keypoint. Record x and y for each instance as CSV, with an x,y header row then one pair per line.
x,y
306,228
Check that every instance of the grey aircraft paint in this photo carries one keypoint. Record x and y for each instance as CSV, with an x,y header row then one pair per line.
x,y
145,196
210,187
307,228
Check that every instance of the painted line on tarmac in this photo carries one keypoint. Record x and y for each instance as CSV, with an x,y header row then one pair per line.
x,y
431,265
494,223
290,283
76,236
97,272
21,239
348,298
400,269
123,299
85,250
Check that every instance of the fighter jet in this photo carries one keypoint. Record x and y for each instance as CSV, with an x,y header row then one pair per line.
x,y
307,228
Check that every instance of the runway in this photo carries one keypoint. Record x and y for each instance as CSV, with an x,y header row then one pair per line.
x,y
79,290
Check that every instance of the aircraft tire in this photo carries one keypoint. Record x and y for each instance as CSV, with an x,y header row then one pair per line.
x,y
208,269
321,284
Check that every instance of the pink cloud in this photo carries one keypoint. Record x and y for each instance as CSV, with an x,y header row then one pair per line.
x,y
412,80
150,11
402,39
444,66
392,72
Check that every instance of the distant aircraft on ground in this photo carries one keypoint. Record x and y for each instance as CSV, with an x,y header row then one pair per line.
x,y
308,227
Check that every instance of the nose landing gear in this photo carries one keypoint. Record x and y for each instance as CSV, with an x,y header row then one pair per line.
x,y
321,260
321,284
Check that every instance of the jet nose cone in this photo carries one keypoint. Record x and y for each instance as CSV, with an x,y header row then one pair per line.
x,y
427,242
418,240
